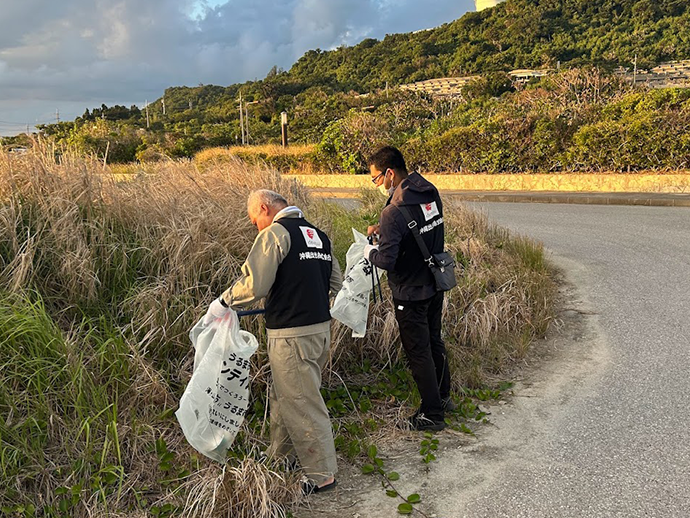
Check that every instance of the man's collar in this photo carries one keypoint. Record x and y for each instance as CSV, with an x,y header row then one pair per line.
x,y
286,210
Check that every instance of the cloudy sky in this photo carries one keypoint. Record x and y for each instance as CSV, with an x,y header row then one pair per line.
x,y
68,55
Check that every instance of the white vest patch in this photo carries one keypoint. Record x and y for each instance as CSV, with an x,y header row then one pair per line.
x,y
311,237
429,210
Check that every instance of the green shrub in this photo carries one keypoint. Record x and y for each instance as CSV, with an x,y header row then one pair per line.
x,y
347,143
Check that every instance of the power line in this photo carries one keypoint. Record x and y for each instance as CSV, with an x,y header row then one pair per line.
x,y
20,123
35,121
5,125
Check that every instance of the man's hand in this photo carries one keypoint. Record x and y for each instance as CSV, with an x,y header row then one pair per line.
x,y
368,249
373,229
215,311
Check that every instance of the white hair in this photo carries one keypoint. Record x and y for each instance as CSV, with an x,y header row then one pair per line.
x,y
265,197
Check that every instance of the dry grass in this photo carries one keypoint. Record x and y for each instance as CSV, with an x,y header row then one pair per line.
x,y
266,149
294,158
118,272
149,255
263,492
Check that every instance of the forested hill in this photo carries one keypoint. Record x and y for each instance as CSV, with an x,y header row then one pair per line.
x,y
322,86
515,34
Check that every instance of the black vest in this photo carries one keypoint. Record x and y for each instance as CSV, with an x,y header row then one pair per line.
x,y
299,295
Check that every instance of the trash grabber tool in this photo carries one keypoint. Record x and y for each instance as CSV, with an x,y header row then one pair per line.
x,y
250,312
378,282
373,269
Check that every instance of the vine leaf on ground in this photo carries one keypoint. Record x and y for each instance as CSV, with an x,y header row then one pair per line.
x,y
393,476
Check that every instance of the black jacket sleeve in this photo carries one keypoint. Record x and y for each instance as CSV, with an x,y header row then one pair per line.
x,y
392,233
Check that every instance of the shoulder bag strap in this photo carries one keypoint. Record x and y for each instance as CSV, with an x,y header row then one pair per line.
x,y
412,225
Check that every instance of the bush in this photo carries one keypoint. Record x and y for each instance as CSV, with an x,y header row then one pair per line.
x,y
574,121
347,143
638,133
100,139
487,146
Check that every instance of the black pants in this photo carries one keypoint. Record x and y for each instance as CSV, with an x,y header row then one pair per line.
x,y
420,333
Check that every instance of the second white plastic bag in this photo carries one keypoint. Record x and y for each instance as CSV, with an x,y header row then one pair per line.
x,y
351,306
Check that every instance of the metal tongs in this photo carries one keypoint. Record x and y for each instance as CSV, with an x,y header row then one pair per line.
x,y
374,276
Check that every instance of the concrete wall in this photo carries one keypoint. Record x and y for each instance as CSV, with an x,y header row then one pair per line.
x,y
523,182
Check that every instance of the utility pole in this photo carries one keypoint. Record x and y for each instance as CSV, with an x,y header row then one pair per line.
x,y
105,157
246,120
246,117
241,119
147,114
163,101
57,115
635,71
283,126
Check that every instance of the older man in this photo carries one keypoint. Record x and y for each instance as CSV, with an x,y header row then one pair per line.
x,y
292,267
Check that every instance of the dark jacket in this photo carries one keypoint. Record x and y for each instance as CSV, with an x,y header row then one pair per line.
x,y
408,275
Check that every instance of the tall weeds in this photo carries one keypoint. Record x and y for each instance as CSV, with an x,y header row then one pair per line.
x,y
102,277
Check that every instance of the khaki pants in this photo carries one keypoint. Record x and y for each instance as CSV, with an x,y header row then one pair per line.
x,y
299,419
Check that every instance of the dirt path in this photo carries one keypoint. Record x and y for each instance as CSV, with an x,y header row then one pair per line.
x,y
571,356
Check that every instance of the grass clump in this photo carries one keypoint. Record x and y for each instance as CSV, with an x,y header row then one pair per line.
x,y
296,158
104,277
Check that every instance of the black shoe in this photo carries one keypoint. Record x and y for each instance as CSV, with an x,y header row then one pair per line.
x,y
448,405
423,424
309,487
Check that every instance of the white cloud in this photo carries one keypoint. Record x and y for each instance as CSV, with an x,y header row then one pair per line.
x,y
75,54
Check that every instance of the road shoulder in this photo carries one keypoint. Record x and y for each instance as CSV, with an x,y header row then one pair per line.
x,y
559,369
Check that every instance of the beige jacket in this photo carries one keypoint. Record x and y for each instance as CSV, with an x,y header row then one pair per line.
x,y
259,270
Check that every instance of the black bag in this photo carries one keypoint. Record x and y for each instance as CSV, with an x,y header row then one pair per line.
x,y
442,265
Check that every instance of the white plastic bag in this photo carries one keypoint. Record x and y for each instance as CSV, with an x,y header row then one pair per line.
x,y
213,405
351,306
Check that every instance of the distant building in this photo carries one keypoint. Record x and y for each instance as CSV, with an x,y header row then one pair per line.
x,y
440,87
672,74
453,86
524,75
485,4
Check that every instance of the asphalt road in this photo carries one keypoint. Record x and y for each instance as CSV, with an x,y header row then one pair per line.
x,y
606,431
